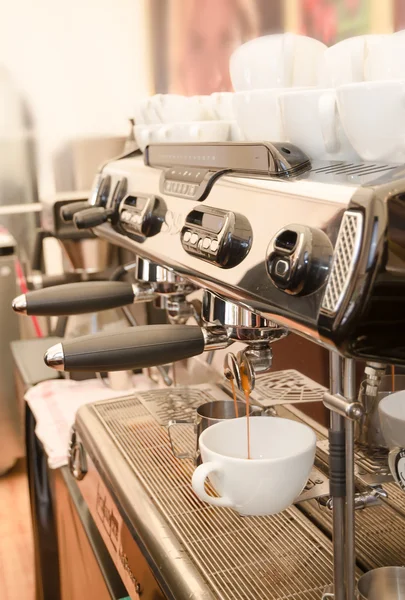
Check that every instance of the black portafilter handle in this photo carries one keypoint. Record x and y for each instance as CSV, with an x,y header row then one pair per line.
x,y
40,281
92,217
68,211
75,298
135,348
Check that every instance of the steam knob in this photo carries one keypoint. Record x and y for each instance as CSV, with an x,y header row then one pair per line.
x,y
298,259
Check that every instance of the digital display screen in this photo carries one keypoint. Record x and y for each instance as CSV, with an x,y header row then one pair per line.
x,y
208,221
242,157
136,202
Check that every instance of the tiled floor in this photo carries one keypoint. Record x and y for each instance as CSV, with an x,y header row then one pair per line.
x,y
16,545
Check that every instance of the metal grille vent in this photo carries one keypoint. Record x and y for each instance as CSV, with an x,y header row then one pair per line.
x,y
354,169
345,257
281,557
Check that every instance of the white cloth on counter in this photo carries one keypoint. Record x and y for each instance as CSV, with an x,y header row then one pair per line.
x,y
54,404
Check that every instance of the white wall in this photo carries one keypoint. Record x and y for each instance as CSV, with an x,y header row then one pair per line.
x,y
80,63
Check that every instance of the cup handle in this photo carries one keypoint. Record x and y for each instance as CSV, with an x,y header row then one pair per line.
x,y
181,455
199,476
327,116
391,463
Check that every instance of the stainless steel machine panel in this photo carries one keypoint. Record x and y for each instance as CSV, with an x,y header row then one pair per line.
x,y
322,256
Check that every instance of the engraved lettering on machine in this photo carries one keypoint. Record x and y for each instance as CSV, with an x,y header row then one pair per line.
x,y
107,517
116,537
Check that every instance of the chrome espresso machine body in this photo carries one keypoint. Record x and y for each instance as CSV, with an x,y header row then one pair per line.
x,y
277,244
320,252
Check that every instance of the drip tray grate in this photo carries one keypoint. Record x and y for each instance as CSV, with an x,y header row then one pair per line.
x,y
283,556
286,387
380,531
178,402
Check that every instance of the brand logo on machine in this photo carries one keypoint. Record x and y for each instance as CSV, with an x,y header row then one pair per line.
x,y
125,563
107,517
173,223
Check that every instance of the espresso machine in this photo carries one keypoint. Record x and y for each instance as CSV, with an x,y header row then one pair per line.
x,y
277,244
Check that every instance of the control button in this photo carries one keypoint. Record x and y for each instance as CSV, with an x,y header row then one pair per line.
x,y
214,246
175,187
168,186
206,243
136,219
184,188
192,189
187,236
282,268
125,215
194,239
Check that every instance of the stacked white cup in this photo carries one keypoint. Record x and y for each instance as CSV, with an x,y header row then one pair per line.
x,y
261,71
342,103
173,118
373,110
312,118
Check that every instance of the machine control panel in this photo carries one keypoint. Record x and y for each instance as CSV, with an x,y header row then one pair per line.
x,y
141,215
183,182
217,236
298,259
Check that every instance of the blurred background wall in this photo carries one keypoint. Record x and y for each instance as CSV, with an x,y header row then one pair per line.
x,y
71,72
79,67
190,41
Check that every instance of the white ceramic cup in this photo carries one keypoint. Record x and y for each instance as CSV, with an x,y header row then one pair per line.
x,y
392,419
173,108
373,117
282,454
345,61
145,113
203,131
222,106
311,121
143,134
258,114
278,60
385,59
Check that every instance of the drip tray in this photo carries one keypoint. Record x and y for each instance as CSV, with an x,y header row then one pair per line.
x,y
380,531
178,402
286,387
278,557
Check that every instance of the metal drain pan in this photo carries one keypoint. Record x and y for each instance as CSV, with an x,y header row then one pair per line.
x,y
279,557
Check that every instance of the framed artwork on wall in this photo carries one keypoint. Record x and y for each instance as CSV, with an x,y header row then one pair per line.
x,y
399,15
333,20
192,40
